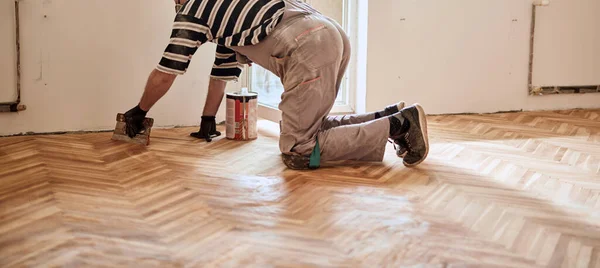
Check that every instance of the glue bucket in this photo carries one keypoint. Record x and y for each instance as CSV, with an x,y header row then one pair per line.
x,y
242,108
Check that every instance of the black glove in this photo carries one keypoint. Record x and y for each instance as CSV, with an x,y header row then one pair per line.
x,y
208,129
134,121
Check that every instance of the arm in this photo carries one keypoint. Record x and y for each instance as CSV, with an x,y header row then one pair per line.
x,y
216,91
156,87
175,61
225,68
159,84
208,123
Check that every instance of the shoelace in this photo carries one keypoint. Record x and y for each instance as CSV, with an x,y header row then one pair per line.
x,y
404,143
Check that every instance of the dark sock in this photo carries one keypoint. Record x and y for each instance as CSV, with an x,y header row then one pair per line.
x,y
396,124
390,110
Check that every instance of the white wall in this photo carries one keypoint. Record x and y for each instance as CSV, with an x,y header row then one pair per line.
x,y
8,74
455,56
85,61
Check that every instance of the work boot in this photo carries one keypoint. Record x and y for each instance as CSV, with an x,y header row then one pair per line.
x,y
408,131
390,110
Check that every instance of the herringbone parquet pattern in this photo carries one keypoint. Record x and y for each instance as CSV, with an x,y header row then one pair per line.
x,y
502,190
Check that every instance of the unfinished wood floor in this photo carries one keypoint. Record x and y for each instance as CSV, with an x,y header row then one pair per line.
x,y
507,190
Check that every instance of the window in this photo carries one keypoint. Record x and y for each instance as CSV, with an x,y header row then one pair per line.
x,y
269,86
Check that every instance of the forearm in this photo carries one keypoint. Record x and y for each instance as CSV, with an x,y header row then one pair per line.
x,y
157,86
216,91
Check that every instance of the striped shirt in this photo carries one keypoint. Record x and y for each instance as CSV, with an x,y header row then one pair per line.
x,y
224,22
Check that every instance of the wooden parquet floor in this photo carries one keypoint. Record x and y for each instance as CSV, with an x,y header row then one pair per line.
x,y
502,190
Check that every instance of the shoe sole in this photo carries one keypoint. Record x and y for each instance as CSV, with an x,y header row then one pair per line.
x,y
423,126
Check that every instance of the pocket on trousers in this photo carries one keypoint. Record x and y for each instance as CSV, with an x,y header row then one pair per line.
x,y
318,47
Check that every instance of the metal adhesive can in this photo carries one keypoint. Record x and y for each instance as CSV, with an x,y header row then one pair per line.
x,y
242,117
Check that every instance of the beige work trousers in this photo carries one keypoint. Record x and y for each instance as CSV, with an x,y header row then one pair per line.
x,y
309,53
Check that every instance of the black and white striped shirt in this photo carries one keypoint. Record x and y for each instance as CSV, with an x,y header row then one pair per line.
x,y
224,22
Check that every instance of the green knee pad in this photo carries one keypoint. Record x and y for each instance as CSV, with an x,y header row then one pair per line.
x,y
315,156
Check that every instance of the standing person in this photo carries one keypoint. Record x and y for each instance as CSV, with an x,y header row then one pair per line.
x,y
309,52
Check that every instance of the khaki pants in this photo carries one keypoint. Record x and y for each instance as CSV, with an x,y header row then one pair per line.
x,y
310,53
